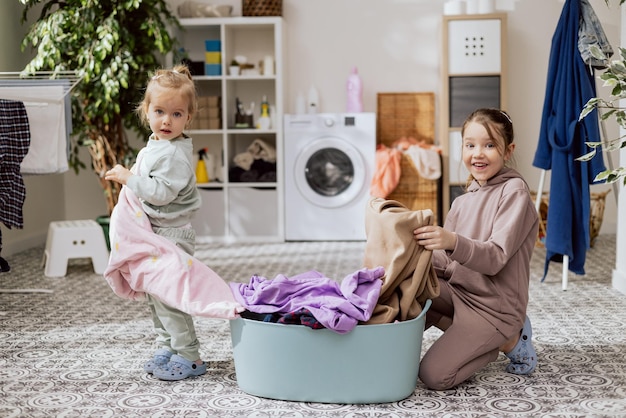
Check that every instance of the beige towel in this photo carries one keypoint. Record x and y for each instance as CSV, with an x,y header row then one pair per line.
x,y
261,150
410,278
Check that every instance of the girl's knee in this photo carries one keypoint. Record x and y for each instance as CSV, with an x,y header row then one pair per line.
x,y
436,378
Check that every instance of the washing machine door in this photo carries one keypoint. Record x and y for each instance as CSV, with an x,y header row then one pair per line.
x,y
330,172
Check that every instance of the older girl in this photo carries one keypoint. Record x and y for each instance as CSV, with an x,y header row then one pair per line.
x,y
482,258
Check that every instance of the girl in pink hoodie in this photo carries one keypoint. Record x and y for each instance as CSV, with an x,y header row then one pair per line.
x,y
482,259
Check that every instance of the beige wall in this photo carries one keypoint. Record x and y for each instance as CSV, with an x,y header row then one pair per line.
x,y
394,43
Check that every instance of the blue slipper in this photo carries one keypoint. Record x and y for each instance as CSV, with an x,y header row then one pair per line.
x,y
523,356
161,358
179,368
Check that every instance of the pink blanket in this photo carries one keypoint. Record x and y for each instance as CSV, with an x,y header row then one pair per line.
x,y
144,262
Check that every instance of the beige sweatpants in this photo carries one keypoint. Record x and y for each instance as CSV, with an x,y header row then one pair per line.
x,y
468,344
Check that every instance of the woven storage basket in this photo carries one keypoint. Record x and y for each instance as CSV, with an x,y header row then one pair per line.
x,y
410,115
596,217
262,7
405,114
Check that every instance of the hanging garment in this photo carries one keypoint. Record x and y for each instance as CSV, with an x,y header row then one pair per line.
x,y
144,262
562,139
410,278
590,33
14,145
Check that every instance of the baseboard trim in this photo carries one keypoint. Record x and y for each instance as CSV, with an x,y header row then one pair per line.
x,y
17,246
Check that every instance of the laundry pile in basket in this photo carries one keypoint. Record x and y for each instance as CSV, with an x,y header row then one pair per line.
x,y
424,156
397,280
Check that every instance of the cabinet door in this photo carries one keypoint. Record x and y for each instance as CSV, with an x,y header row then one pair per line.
x,y
210,218
254,213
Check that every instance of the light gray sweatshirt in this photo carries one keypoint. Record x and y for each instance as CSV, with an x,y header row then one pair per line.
x,y
166,181
496,226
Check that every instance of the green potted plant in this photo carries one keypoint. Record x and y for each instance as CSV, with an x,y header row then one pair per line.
x,y
233,68
112,45
614,77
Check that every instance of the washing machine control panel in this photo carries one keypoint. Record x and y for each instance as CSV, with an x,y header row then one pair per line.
x,y
347,121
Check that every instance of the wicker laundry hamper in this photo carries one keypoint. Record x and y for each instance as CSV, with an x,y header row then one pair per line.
x,y
262,7
410,115
598,201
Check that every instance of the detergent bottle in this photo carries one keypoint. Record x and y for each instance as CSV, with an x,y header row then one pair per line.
x,y
264,121
201,173
354,103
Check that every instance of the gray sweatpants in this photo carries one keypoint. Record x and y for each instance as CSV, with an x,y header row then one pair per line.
x,y
175,329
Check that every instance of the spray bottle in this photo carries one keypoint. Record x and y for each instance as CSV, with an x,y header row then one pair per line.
x,y
354,102
201,173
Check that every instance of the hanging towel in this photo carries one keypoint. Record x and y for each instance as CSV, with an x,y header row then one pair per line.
x,y
14,144
46,109
410,278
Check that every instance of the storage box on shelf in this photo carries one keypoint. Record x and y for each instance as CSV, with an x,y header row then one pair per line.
x,y
243,199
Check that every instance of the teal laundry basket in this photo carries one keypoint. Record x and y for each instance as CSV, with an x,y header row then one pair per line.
x,y
371,364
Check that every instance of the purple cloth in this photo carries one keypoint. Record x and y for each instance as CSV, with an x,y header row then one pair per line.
x,y
338,307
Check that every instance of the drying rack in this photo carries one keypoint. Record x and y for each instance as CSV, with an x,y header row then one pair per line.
x,y
67,79
44,94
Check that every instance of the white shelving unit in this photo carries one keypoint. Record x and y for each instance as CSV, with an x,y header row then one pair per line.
x,y
235,210
474,75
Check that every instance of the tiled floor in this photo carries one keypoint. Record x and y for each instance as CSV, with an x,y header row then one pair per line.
x,y
70,348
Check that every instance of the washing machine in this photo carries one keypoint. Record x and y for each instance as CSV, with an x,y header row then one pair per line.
x,y
329,163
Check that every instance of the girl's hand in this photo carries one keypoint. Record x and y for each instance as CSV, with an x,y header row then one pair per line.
x,y
118,174
435,238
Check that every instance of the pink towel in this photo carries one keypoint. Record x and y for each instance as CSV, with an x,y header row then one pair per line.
x,y
144,262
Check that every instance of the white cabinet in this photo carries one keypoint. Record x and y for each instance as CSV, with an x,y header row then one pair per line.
x,y
243,201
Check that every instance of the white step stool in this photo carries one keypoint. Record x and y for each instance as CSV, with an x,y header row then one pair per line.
x,y
74,239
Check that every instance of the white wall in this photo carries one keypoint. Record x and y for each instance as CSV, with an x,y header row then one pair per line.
x,y
396,46
619,273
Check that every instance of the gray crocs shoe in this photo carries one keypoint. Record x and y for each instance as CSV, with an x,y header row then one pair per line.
x,y
161,358
523,356
179,368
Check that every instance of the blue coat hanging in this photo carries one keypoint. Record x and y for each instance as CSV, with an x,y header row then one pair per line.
x,y
562,137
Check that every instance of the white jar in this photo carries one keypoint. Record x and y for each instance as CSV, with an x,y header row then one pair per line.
x,y
268,65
